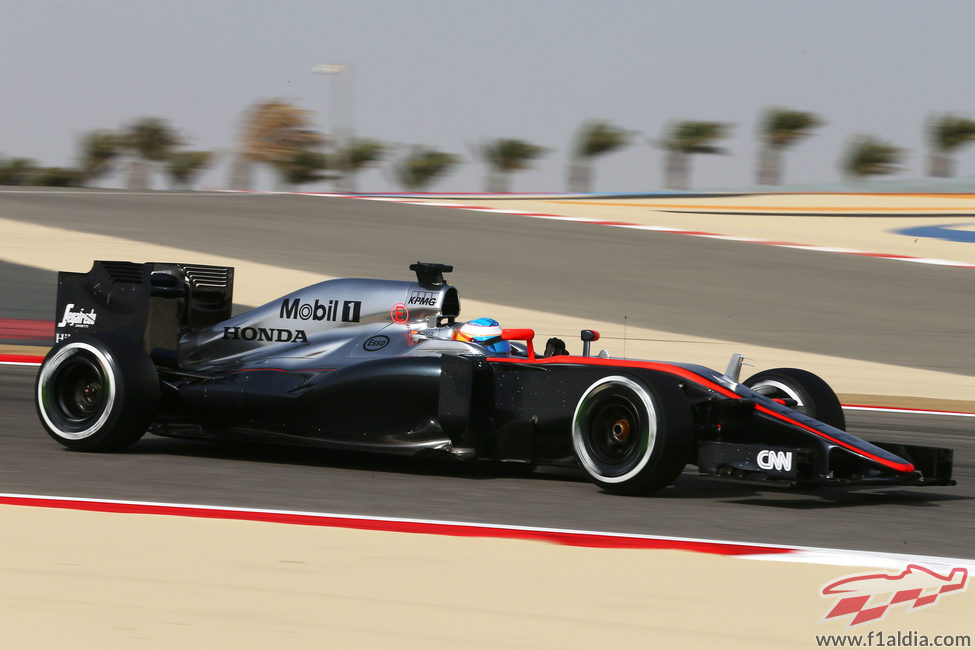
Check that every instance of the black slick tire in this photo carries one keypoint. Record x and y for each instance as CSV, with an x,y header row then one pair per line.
x,y
812,395
96,393
632,435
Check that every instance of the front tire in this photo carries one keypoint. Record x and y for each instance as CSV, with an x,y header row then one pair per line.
x,y
96,394
632,436
812,395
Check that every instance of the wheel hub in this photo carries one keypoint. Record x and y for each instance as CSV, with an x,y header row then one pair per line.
x,y
91,393
620,430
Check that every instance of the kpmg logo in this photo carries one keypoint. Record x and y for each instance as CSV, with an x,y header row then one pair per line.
x,y
78,318
295,309
867,597
423,298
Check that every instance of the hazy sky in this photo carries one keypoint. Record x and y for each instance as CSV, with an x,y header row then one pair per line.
x,y
453,73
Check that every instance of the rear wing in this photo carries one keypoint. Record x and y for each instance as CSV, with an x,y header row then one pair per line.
x,y
151,303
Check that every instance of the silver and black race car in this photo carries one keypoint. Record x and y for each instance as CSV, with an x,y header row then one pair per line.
x,y
376,365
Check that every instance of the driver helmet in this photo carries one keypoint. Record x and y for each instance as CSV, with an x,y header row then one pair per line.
x,y
485,332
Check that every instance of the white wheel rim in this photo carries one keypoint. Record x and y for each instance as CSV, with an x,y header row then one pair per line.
x,y
55,362
578,436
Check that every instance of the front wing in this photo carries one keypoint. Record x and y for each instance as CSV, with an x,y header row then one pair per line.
x,y
802,467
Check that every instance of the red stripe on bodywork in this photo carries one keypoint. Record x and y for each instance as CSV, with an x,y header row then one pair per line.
x,y
451,529
703,381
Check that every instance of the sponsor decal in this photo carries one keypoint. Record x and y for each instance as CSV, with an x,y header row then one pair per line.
x,y
79,318
375,343
867,597
780,461
400,313
349,311
269,334
60,337
419,298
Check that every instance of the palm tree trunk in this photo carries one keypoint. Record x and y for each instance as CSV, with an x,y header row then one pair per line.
x,y
580,175
497,182
675,170
491,182
941,166
240,174
345,183
138,175
769,166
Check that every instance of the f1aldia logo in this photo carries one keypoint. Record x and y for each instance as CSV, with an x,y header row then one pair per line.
x,y
328,311
867,597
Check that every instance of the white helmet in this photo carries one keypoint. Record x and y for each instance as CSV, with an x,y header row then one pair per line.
x,y
485,332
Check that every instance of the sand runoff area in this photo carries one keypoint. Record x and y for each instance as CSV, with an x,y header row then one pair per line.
x,y
865,222
83,579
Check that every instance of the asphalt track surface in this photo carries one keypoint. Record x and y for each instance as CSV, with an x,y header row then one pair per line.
x,y
930,521
860,308
845,306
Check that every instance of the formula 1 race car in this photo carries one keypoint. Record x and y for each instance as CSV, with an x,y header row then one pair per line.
x,y
385,366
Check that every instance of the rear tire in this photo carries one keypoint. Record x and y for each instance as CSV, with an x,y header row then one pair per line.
x,y
632,436
812,395
96,393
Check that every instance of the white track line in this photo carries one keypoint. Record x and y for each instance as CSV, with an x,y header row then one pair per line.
x,y
894,409
777,552
667,229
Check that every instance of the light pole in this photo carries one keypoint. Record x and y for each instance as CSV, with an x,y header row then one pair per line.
x,y
340,117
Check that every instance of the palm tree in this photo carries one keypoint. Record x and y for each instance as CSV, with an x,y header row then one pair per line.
x,y
57,177
947,134
869,156
682,139
300,166
98,149
780,128
17,171
421,166
358,154
273,131
595,138
150,139
184,166
505,156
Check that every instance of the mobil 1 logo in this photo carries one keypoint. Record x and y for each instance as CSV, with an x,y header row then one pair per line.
x,y
348,311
